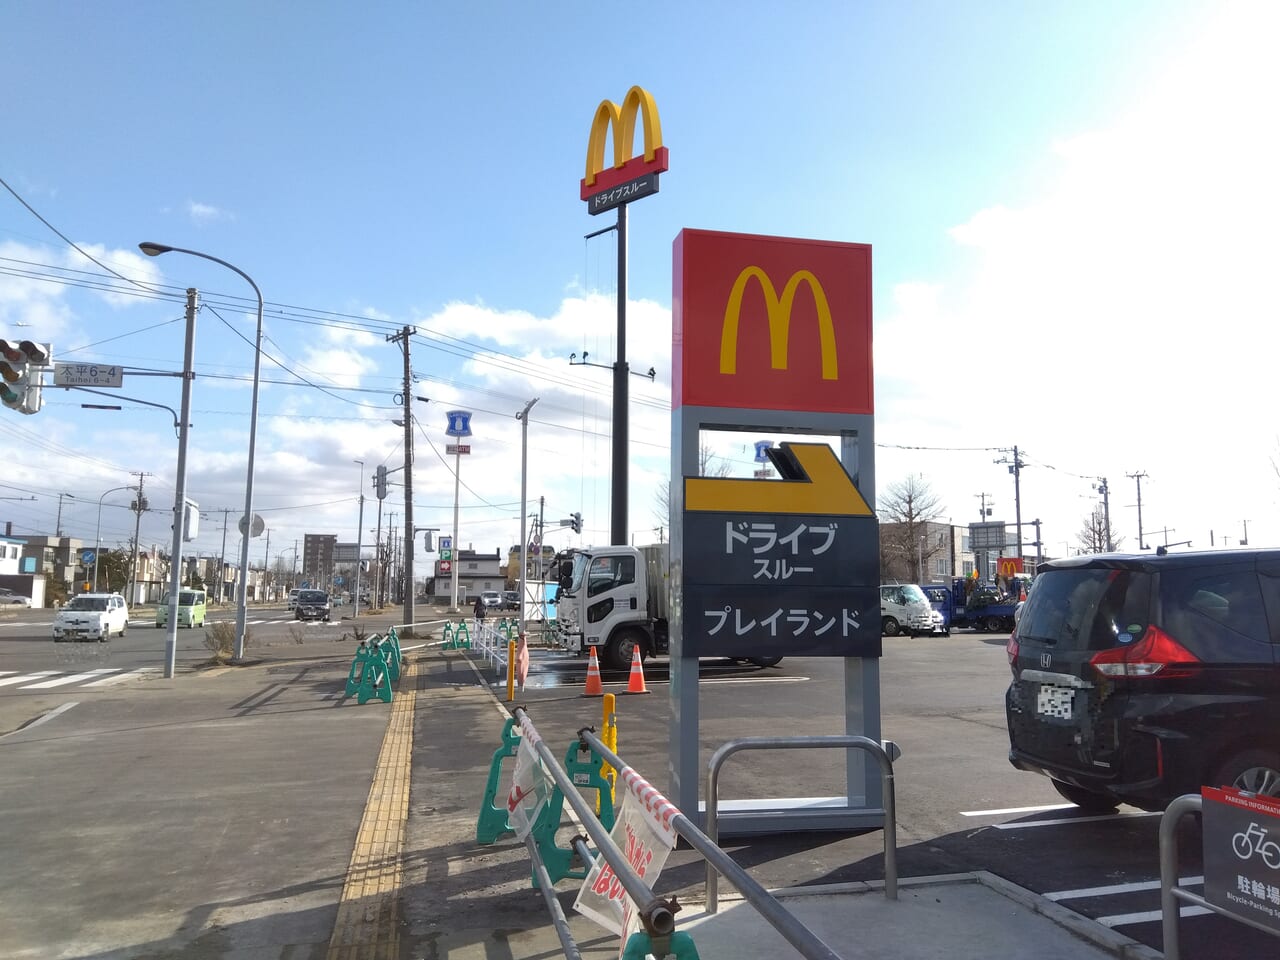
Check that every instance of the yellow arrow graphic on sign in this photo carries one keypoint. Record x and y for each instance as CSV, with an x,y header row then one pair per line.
x,y
817,483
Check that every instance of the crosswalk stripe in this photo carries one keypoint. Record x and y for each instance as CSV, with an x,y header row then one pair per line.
x,y
120,678
74,678
40,675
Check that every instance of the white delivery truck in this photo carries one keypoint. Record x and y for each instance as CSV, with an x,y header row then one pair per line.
x,y
617,598
904,608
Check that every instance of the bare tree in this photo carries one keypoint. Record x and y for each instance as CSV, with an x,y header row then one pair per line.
x,y
906,509
1094,536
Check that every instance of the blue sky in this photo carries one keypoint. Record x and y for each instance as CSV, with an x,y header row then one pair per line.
x,y
1070,206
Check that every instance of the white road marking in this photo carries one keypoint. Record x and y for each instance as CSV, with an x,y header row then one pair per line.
x,y
43,718
1054,823
121,677
74,678
1150,916
1011,810
39,675
1117,888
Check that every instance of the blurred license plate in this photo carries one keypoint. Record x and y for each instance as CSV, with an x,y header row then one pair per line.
x,y
1054,701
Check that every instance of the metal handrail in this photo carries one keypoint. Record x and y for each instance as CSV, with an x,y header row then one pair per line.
x,y
786,923
658,915
792,743
1170,892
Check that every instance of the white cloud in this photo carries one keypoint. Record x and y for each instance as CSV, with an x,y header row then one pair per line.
x,y
203,213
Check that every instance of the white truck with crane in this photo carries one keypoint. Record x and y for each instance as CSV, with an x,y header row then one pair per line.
x,y
618,598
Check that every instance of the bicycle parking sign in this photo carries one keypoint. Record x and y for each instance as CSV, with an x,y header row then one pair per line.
x,y
1242,854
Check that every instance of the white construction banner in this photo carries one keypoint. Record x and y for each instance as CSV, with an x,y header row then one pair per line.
x,y
531,788
643,833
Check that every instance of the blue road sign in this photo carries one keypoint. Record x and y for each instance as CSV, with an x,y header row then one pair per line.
x,y
86,556
446,543
459,423
761,447
337,581
305,585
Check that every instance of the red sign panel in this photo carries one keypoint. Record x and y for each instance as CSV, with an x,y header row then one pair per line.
x,y
771,323
446,566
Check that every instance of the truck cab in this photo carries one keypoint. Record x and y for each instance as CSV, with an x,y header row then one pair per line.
x,y
606,601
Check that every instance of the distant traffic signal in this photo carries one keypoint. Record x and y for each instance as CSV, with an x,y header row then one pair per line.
x,y
380,482
21,364
575,522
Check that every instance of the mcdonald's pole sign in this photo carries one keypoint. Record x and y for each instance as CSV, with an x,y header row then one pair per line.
x,y
771,323
629,178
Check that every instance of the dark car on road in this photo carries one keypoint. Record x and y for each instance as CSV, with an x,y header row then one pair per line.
x,y
312,605
1139,678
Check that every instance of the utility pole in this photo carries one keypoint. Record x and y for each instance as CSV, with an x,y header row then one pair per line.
x,y
377,589
1137,478
1015,467
1244,540
523,417
983,510
266,565
1102,488
222,560
542,541
138,506
402,338
1039,544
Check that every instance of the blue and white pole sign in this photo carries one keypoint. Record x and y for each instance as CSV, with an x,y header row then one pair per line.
x,y
459,423
87,557
762,450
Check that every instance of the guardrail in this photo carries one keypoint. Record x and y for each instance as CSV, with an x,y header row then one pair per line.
x,y
794,743
1170,892
491,644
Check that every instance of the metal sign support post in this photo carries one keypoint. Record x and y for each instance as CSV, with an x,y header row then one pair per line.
x,y
864,806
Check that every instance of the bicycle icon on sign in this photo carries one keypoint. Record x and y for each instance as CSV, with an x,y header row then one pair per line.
x,y
1253,840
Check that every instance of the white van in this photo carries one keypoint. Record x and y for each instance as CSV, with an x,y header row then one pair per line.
x,y
904,608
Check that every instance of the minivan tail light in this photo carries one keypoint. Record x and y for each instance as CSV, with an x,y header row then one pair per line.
x,y
1156,654
1011,649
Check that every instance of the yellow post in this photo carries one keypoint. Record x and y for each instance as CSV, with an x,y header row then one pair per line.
x,y
609,726
511,670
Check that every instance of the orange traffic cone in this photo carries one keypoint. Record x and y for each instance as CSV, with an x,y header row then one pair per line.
x,y
594,687
635,683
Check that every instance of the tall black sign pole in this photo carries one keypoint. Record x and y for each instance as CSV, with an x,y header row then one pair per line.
x,y
618,523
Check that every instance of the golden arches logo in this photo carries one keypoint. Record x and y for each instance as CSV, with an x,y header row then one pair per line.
x,y
779,311
622,119
1007,568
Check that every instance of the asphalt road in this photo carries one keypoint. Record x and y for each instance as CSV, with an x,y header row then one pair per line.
x,y
961,806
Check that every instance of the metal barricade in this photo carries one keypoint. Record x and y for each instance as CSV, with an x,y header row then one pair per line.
x,y
809,944
793,743
1170,892
491,645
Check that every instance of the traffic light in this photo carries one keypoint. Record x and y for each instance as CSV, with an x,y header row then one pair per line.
x,y
380,482
575,522
21,363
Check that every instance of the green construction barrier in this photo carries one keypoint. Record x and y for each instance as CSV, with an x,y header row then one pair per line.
x,y
679,945
491,825
462,636
394,657
446,635
368,677
390,662
585,770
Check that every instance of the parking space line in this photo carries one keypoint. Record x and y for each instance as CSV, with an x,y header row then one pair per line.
x,y
1062,820
1150,916
1008,811
1117,888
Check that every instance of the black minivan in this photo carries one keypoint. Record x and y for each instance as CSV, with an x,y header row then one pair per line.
x,y
1138,678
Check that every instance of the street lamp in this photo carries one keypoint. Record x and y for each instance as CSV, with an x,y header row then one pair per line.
x,y
242,611
523,417
97,537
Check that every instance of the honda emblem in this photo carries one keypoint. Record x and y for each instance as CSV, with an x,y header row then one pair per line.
x,y
1046,660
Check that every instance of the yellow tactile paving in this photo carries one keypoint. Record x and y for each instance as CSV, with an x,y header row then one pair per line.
x,y
368,922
